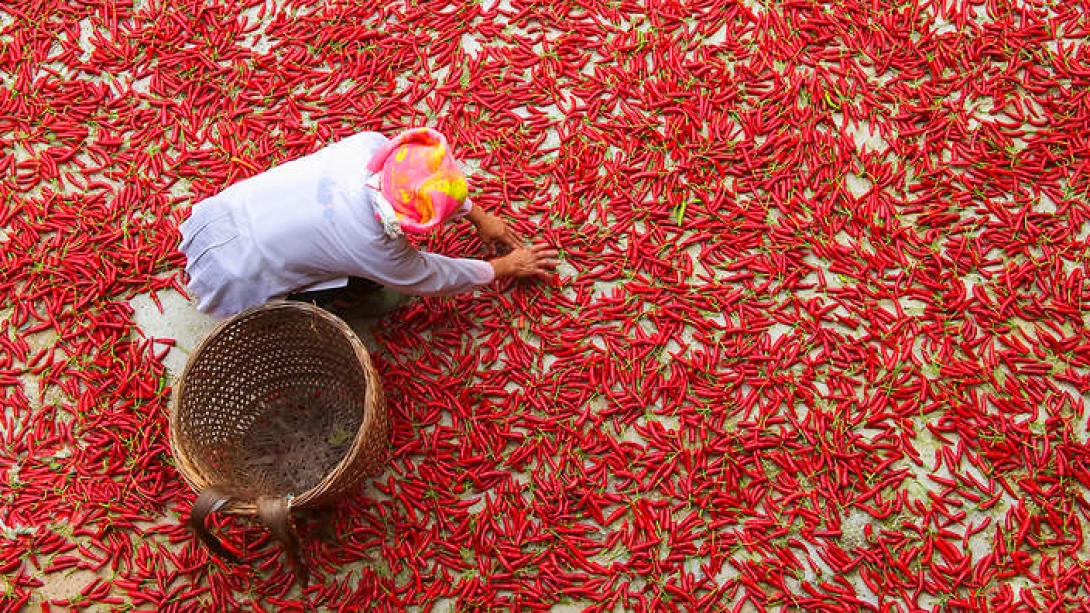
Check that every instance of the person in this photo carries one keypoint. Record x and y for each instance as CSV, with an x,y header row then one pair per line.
x,y
330,227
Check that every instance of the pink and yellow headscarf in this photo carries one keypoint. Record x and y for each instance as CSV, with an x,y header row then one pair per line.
x,y
419,181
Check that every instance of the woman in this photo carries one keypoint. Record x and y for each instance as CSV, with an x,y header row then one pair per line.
x,y
305,228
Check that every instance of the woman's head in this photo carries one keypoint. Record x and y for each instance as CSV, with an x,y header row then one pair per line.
x,y
420,178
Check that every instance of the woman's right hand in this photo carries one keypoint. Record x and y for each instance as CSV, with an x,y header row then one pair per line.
x,y
535,261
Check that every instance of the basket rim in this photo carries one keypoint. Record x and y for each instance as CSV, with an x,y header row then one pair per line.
x,y
372,400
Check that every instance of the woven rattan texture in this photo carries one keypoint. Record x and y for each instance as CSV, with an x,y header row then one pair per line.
x,y
280,400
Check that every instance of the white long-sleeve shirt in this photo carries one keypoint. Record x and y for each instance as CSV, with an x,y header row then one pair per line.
x,y
308,224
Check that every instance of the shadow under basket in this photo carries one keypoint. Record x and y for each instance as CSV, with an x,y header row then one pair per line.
x,y
278,408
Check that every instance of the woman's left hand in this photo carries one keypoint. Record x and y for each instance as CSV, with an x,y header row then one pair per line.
x,y
493,230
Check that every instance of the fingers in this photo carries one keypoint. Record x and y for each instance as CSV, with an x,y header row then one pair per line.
x,y
543,250
502,234
538,260
512,239
544,258
524,254
549,258
544,263
537,267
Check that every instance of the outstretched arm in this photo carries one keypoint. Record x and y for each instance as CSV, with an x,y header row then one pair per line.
x,y
429,274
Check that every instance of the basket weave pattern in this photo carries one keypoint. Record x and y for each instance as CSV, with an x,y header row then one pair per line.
x,y
281,400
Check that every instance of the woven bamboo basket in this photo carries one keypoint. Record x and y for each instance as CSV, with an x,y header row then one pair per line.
x,y
279,408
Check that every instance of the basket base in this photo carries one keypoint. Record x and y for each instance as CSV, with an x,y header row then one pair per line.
x,y
294,443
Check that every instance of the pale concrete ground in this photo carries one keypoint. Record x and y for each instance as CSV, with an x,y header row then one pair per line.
x,y
179,320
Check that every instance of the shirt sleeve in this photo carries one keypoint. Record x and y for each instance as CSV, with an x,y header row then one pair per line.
x,y
467,206
428,274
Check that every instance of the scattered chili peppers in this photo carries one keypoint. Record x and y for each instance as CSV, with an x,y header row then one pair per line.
x,y
819,341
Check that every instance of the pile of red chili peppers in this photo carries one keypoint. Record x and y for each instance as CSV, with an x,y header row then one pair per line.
x,y
820,340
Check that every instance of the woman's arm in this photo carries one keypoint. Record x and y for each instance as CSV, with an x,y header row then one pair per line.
x,y
421,273
429,274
